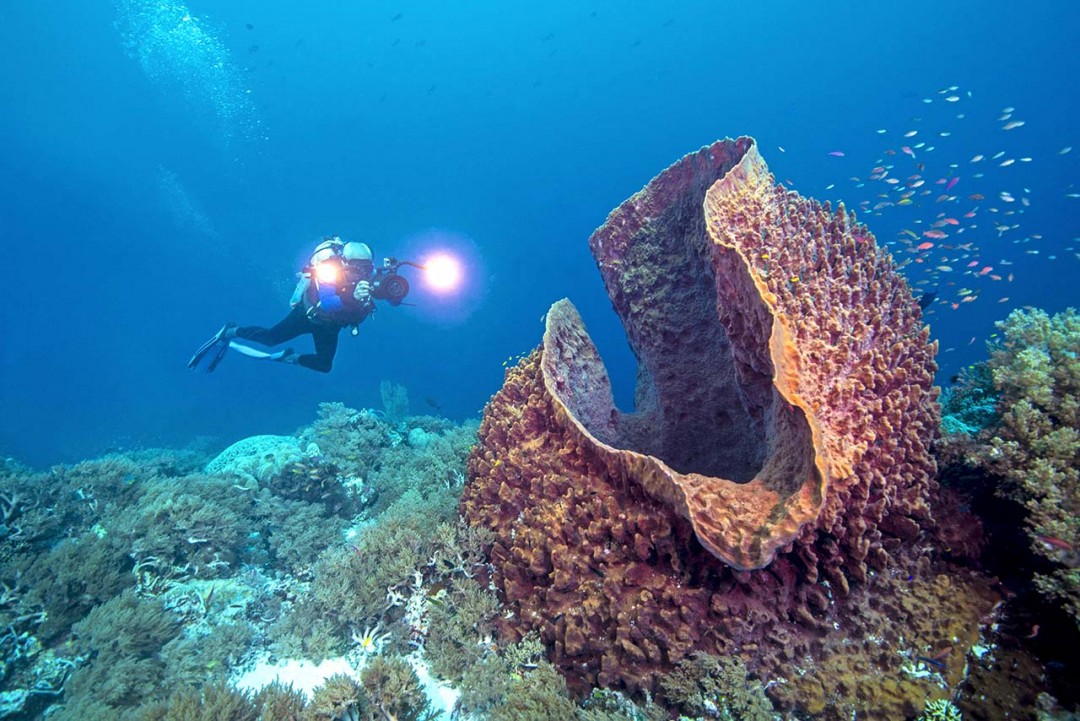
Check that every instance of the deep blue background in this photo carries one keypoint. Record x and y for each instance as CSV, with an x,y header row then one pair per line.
x,y
136,215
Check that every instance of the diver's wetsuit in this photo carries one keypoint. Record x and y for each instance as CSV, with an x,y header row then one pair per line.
x,y
297,323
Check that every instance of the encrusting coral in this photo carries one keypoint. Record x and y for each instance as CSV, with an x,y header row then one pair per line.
x,y
257,458
778,463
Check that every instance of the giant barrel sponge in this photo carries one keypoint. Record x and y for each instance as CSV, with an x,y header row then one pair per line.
x,y
784,410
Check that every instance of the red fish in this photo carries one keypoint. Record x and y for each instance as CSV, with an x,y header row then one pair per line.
x,y
951,221
952,181
935,234
924,246
1055,542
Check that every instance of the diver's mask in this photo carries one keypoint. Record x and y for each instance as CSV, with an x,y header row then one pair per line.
x,y
357,269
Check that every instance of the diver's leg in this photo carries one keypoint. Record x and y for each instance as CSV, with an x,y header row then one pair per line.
x,y
294,324
326,340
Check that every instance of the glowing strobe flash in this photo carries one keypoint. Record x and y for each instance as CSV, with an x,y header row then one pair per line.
x,y
326,273
443,273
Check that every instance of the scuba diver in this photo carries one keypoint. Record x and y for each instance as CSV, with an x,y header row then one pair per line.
x,y
337,289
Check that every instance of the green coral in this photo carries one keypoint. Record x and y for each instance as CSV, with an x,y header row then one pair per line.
x,y
192,526
278,702
716,687
212,702
1035,448
297,532
350,439
351,582
121,640
316,480
940,710
201,654
462,626
338,697
152,576
73,577
392,690
607,705
536,695
437,468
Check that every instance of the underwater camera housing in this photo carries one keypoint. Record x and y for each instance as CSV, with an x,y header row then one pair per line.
x,y
388,284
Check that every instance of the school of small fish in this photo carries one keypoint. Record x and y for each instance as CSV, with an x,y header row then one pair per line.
x,y
945,247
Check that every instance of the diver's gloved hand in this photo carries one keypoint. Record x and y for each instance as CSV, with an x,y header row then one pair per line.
x,y
362,292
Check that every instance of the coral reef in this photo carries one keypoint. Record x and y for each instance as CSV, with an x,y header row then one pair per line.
x,y
133,586
784,414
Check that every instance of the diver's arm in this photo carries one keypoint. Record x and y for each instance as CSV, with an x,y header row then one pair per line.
x,y
301,290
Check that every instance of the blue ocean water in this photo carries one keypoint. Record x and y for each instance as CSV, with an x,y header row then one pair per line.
x,y
168,166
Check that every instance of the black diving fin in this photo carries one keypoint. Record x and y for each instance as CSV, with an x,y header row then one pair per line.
x,y
219,343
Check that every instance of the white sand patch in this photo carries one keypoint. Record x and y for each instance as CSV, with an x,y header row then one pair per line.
x,y
442,696
303,675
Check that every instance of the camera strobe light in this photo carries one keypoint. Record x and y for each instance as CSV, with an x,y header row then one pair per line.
x,y
442,272
326,273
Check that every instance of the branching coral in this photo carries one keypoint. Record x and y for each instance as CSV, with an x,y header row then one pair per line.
x,y
348,438
940,710
338,699
1035,447
353,582
393,691
189,527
